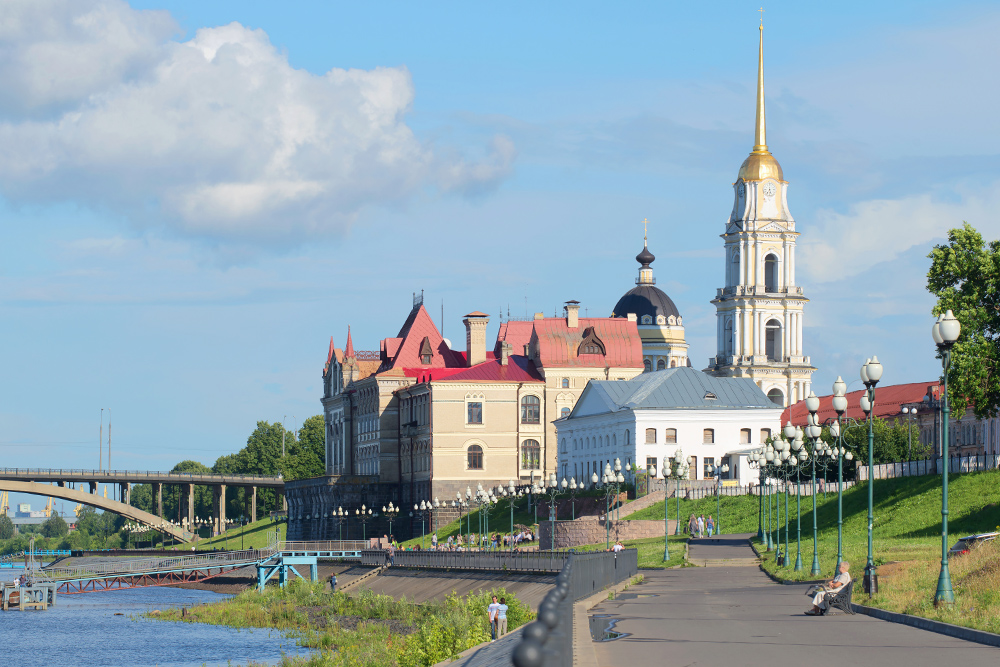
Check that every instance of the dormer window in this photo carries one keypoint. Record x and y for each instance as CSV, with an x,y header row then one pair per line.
x,y
647,319
591,343
426,353
709,396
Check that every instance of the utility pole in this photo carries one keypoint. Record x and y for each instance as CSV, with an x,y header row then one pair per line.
x,y
109,438
100,443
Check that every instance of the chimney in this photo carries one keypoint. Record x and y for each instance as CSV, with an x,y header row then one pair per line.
x,y
505,351
572,310
539,316
475,337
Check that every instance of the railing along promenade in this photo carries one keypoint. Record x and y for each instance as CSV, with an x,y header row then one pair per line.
x,y
548,640
137,476
494,561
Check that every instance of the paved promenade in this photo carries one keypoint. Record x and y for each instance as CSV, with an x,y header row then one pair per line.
x,y
737,616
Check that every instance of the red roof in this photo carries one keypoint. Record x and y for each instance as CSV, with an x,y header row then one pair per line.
x,y
403,352
889,401
349,348
558,344
518,369
517,333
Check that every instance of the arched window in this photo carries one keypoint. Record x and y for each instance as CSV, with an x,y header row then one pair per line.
x,y
628,436
646,365
531,410
660,364
744,436
673,363
564,413
650,436
670,436
772,342
776,396
708,436
647,319
734,278
531,455
475,457
565,383
564,449
770,273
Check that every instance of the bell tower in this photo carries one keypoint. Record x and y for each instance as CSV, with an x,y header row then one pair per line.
x,y
759,310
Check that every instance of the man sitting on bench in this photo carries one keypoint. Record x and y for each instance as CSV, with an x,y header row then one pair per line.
x,y
832,587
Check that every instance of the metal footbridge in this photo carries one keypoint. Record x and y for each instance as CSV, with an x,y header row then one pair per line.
x,y
278,559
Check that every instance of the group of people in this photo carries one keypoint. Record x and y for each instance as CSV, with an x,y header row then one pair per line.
x,y
699,526
496,612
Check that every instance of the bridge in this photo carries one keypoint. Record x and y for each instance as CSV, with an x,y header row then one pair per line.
x,y
55,483
280,559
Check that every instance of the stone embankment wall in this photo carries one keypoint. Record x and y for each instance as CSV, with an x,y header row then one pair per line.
x,y
590,530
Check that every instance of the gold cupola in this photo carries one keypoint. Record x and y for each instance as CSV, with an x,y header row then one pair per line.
x,y
760,164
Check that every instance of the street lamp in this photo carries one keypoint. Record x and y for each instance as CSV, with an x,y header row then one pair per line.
x,y
679,469
717,472
391,512
908,413
666,524
945,332
871,373
552,490
421,509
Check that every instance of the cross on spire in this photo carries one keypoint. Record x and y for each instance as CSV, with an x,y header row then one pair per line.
x,y
761,10
645,231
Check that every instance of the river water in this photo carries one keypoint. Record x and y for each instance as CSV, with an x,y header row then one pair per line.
x,y
85,630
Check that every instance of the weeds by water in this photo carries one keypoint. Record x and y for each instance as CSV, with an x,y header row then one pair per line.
x,y
369,629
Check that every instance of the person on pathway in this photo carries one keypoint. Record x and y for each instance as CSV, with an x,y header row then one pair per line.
x,y
819,600
710,525
502,618
392,553
491,612
618,547
701,525
434,541
692,526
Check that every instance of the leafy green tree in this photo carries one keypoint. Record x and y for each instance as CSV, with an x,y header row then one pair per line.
x,y
890,441
965,278
307,454
6,527
54,526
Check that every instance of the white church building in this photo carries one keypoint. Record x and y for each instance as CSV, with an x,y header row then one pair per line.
x,y
644,420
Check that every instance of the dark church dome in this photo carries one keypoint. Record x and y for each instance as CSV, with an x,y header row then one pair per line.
x,y
645,299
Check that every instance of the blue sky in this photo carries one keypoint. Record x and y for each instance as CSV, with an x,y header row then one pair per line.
x,y
195,196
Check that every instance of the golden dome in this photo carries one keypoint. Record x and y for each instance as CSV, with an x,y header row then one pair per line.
x,y
760,165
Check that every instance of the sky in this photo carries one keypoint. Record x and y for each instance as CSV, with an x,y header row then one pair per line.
x,y
194,197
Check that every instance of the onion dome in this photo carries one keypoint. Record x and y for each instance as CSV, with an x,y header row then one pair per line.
x,y
646,300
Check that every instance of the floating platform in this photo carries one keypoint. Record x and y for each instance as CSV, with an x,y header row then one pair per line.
x,y
35,596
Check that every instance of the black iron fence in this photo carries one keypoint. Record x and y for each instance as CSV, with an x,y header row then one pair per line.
x,y
548,640
932,466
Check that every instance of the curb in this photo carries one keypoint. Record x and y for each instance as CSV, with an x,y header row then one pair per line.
x,y
940,627
584,653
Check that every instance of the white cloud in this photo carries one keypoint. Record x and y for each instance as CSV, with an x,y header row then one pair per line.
x,y
844,245
217,137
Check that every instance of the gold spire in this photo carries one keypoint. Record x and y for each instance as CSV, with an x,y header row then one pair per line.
x,y
760,164
645,231
760,138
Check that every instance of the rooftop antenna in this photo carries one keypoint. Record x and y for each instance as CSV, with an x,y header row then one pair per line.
x,y
100,443
442,317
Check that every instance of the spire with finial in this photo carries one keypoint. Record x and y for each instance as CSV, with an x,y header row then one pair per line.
x,y
760,137
645,258
329,355
760,164
349,348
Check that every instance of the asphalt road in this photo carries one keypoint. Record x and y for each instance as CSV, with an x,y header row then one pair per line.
x,y
737,616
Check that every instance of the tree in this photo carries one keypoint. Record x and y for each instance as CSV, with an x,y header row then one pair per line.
x,y
306,455
6,527
54,526
965,278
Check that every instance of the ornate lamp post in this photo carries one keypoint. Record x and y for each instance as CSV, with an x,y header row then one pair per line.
x,y
717,472
945,332
679,469
365,514
421,510
552,488
756,458
871,373
666,524
799,457
391,512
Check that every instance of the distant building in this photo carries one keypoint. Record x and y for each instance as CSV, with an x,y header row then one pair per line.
x,y
660,325
422,420
643,421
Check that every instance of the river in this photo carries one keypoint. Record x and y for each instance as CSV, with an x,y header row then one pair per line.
x,y
85,630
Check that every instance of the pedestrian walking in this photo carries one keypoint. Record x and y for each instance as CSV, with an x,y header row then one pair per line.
x,y
692,527
392,553
434,541
491,612
710,525
502,618
701,525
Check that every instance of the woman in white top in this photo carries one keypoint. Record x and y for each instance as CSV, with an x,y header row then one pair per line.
x,y
842,579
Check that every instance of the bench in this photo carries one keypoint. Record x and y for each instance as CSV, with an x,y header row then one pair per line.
x,y
841,600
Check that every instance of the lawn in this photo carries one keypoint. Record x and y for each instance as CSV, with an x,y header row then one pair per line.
x,y
254,536
650,551
499,521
